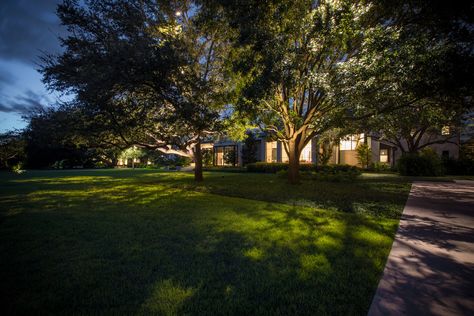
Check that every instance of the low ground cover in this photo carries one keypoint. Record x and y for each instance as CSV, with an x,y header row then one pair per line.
x,y
144,241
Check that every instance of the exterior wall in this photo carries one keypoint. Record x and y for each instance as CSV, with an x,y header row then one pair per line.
x,y
269,146
273,151
348,157
375,148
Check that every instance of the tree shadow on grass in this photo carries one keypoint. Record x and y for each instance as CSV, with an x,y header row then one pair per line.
x,y
152,250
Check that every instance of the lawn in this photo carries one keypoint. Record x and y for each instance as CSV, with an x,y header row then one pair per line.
x,y
149,242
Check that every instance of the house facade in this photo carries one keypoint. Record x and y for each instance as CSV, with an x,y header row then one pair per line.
x,y
228,153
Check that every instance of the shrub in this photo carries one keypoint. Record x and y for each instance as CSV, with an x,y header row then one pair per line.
x,y
207,159
336,173
250,149
425,163
462,166
364,155
182,161
18,168
230,157
225,169
266,167
380,167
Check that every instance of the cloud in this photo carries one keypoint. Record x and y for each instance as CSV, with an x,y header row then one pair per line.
x,y
6,78
27,28
24,104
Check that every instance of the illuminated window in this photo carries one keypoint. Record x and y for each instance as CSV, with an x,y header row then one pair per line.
x,y
271,151
445,130
274,154
306,153
351,142
383,155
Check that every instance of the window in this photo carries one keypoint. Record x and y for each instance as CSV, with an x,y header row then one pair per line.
x,y
306,153
225,155
383,155
351,142
274,154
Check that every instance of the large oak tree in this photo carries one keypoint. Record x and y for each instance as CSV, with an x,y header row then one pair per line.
x,y
147,69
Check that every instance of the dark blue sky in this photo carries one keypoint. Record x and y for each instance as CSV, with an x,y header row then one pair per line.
x,y
27,27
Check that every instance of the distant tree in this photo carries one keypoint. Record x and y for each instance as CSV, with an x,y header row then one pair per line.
x,y
66,134
413,128
132,153
12,149
250,149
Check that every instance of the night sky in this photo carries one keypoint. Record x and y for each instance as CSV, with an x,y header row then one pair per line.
x,y
27,28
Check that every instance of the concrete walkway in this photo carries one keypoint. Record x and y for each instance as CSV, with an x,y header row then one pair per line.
x,y
430,269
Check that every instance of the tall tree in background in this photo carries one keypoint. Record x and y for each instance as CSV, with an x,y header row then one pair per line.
x,y
415,127
151,69
420,66
66,134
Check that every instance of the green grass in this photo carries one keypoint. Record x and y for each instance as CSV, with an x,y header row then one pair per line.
x,y
149,242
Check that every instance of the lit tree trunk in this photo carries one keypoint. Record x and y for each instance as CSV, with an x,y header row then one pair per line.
x,y
198,162
294,162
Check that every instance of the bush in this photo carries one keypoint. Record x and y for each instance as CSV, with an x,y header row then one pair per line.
x,y
183,161
224,169
336,173
425,163
462,166
364,155
266,167
380,167
207,157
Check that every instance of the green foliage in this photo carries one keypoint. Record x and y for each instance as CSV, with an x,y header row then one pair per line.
x,y
156,78
230,169
364,155
325,154
250,149
132,153
334,173
18,168
461,166
12,149
380,166
289,55
183,161
266,167
425,163
230,157
337,173
207,157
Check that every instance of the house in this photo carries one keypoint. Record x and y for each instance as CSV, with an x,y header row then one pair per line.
x,y
225,152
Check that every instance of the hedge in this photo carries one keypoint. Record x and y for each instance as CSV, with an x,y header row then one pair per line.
x,y
274,167
420,164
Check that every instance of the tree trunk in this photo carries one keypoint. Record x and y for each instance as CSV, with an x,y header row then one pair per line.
x,y
294,163
198,162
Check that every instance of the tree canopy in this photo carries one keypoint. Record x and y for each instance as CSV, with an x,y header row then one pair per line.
x,y
150,68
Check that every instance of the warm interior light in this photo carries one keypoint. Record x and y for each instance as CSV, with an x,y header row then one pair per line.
x,y
178,13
